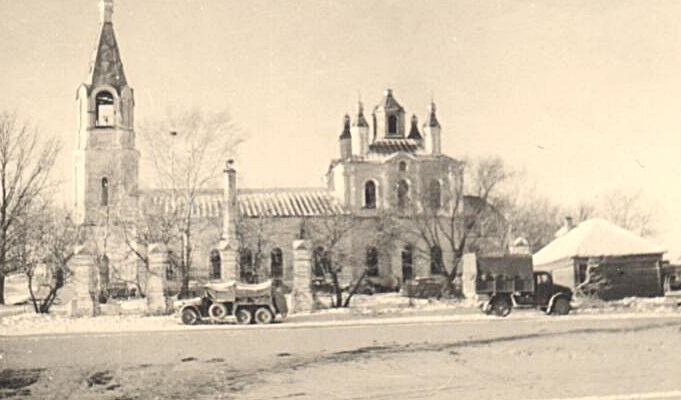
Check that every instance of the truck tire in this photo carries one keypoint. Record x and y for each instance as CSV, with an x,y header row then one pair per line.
x,y
217,311
243,316
263,315
561,306
189,316
501,306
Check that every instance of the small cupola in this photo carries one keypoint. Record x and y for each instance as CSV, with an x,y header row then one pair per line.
x,y
345,139
414,131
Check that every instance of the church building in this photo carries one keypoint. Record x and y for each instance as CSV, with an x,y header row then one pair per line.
x,y
389,164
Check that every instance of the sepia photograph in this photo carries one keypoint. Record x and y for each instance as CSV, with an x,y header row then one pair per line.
x,y
340,199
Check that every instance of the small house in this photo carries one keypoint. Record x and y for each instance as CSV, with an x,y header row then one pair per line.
x,y
628,264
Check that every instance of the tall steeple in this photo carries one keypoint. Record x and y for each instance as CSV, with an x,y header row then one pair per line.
x,y
106,159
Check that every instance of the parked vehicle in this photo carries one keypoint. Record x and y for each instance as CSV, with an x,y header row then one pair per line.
x,y
509,281
247,303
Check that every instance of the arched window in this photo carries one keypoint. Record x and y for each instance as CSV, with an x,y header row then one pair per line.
x,y
436,263
435,195
402,194
246,272
319,260
105,192
215,263
370,195
372,261
402,166
276,263
104,103
392,125
103,278
407,263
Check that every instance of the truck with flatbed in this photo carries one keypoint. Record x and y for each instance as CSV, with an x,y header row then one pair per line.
x,y
246,303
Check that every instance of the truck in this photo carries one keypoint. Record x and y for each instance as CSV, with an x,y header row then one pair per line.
x,y
246,303
506,281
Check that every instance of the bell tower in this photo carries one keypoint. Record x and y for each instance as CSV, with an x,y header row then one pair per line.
x,y
106,159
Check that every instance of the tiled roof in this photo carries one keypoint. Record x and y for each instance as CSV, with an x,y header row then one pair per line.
x,y
390,146
306,202
288,203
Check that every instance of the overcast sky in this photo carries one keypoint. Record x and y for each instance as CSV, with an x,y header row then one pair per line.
x,y
583,95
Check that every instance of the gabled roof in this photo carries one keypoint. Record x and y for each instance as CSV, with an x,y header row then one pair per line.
x,y
595,238
309,202
106,67
252,203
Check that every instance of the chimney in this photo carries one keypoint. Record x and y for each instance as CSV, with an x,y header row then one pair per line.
x,y
568,225
229,209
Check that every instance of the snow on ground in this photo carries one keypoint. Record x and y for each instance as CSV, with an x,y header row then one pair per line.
x,y
376,309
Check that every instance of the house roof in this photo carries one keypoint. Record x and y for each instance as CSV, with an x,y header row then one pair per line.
x,y
595,238
252,203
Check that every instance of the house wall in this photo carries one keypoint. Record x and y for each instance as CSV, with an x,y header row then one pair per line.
x,y
635,275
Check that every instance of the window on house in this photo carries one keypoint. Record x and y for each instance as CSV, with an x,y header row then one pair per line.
x,y
276,263
370,195
436,262
402,194
215,264
105,192
435,195
407,263
372,261
246,273
318,262
104,103
392,125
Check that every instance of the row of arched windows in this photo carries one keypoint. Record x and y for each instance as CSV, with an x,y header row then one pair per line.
x,y
247,272
402,193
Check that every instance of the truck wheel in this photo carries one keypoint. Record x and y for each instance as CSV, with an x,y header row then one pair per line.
x,y
501,306
243,316
561,306
217,311
189,316
263,315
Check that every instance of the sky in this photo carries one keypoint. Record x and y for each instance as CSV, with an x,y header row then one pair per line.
x,y
584,96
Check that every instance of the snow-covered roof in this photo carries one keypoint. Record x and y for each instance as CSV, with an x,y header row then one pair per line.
x,y
595,238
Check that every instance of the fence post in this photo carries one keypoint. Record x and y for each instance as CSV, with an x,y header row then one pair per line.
x,y
302,276
83,267
158,264
228,264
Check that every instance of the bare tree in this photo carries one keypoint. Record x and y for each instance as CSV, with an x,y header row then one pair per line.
x,y
442,221
253,235
49,242
628,210
188,150
334,235
25,164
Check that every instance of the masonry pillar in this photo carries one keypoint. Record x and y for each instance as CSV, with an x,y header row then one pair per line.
x,y
158,264
228,256
83,269
302,276
469,271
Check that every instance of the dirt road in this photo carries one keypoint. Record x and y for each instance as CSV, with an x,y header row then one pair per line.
x,y
528,358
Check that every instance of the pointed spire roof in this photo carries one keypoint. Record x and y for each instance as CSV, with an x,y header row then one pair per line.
x,y
388,103
431,120
360,120
106,67
346,128
414,131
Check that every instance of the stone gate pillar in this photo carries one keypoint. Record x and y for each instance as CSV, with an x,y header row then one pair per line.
x,y
228,265
158,264
83,268
302,276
